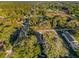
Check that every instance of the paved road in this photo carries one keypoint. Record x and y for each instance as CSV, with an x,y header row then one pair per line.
x,y
16,39
71,40
48,30
69,36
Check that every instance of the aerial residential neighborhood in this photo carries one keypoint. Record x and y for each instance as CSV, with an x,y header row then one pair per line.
x,y
39,29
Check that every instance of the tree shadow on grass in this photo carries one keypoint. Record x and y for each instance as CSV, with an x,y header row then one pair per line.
x,y
14,36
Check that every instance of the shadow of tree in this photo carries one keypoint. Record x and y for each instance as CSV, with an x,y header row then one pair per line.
x,y
40,40
14,36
